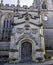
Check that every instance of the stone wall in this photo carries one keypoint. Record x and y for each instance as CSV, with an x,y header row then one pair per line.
x,y
4,48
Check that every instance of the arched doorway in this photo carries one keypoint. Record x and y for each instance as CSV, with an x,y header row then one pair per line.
x,y
26,52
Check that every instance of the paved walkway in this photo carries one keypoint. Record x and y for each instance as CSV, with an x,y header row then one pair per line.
x,y
45,63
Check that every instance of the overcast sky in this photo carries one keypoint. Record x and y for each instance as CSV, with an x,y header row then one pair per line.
x,y
22,2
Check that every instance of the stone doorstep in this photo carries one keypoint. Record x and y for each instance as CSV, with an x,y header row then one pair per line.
x,y
50,62
28,64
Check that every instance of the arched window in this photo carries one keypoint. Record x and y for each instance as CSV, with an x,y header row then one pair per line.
x,y
7,23
44,5
7,26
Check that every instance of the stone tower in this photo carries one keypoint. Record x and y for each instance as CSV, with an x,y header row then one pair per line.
x,y
26,32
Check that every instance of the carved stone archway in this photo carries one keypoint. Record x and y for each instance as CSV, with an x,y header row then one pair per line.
x,y
31,43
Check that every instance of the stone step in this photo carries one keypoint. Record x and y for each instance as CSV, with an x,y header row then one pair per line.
x,y
26,64
50,62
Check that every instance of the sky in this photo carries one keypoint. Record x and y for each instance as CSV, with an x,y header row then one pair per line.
x,y
22,2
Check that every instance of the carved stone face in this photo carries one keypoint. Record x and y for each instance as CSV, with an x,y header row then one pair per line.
x,y
27,18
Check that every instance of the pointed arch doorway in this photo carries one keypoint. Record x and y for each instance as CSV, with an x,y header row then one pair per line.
x,y
26,52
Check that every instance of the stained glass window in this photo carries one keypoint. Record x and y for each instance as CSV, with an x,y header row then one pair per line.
x,y
6,29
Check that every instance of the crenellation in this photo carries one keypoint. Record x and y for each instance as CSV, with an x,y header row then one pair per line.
x,y
25,6
12,5
6,5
